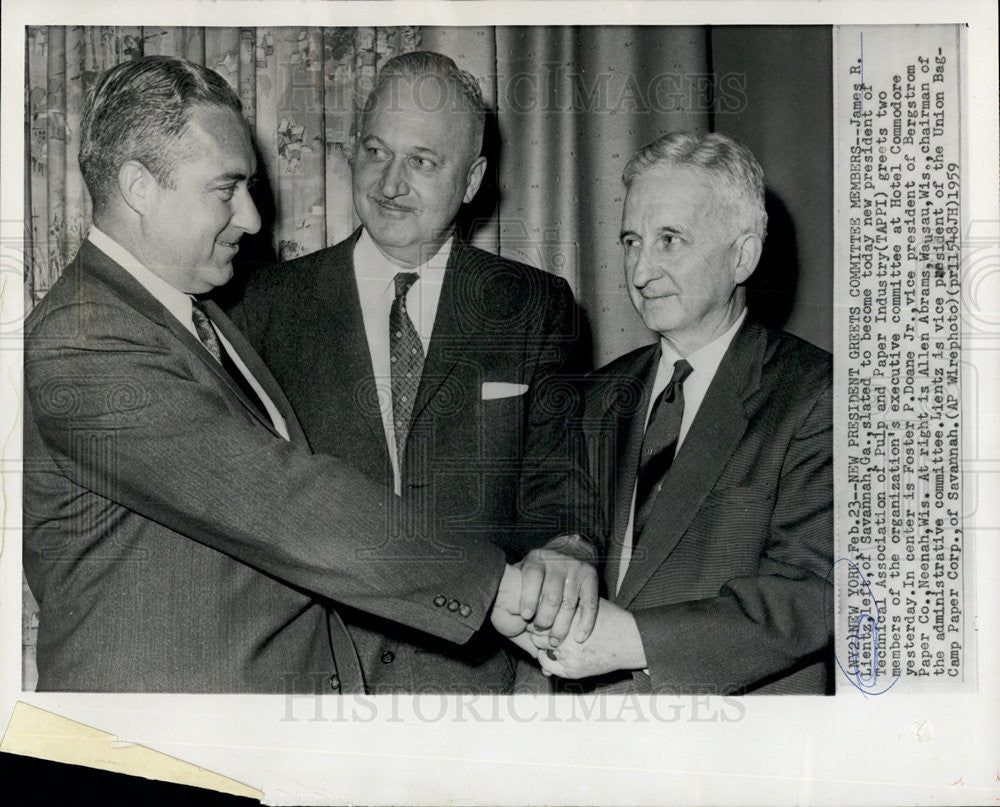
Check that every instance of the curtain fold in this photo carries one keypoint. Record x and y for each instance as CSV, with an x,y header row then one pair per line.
x,y
569,105
577,102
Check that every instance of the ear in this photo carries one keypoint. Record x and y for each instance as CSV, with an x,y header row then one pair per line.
x,y
137,186
746,253
474,179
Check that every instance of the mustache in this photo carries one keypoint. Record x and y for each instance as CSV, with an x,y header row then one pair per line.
x,y
382,201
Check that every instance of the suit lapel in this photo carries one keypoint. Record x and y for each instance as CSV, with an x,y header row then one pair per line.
x,y
714,434
257,369
629,431
138,297
448,338
345,375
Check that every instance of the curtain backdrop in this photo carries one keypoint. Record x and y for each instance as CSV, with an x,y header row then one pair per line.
x,y
571,105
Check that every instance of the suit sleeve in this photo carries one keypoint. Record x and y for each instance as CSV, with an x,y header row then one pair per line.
x,y
123,414
556,489
760,625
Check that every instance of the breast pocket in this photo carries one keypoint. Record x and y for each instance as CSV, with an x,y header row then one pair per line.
x,y
501,426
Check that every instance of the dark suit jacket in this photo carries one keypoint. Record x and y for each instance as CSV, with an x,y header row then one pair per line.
x,y
727,584
476,472
173,540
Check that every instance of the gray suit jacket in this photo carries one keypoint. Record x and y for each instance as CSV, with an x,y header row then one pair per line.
x,y
173,540
729,582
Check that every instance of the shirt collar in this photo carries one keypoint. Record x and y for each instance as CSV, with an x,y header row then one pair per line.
x,y
371,265
706,359
174,300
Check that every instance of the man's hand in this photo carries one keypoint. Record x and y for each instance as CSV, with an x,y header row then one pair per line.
x,y
615,644
506,613
559,588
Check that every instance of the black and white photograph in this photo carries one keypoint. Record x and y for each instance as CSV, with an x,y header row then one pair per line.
x,y
518,395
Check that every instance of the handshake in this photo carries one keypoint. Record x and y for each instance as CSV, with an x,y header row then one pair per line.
x,y
548,605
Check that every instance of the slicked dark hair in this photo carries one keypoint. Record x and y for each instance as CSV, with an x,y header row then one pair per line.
x,y
138,111
431,66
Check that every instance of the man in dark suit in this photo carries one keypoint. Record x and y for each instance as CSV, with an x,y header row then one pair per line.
x,y
713,447
179,533
435,367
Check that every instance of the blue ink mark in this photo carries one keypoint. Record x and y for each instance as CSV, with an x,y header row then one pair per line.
x,y
862,631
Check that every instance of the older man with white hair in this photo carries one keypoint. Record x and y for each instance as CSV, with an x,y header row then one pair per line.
x,y
713,449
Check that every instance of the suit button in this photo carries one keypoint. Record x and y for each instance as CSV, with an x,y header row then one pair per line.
x,y
388,657
454,605
440,600
334,683
465,610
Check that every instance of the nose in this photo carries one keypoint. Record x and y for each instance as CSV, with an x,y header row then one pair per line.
x,y
245,215
645,267
393,182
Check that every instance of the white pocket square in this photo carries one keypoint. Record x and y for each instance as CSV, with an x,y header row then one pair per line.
x,y
502,389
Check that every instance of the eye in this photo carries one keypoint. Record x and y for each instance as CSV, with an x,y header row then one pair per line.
x,y
226,193
377,154
630,241
422,163
667,239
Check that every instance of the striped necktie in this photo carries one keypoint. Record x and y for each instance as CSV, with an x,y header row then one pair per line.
x,y
209,338
406,361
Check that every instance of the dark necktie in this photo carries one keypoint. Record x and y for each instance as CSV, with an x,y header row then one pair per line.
x,y
659,446
406,361
208,337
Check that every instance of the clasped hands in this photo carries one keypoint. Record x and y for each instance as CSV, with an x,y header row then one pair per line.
x,y
548,605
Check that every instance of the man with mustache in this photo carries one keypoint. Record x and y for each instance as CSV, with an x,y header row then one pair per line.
x,y
437,368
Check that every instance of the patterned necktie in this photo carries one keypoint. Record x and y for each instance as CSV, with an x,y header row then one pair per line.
x,y
406,359
659,446
206,333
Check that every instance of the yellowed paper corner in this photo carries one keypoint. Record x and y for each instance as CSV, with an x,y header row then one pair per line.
x,y
36,733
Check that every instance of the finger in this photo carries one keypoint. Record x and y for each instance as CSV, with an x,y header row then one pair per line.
x,y
587,608
551,597
532,575
539,639
551,666
545,663
507,624
564,617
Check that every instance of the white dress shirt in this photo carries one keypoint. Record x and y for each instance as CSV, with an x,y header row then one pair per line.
x,y
377,289
704,364
180,305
